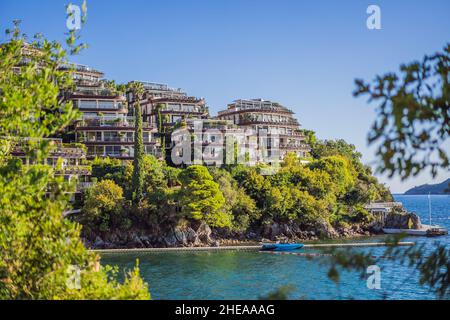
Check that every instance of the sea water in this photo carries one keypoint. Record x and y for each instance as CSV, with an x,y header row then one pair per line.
x,y
250,275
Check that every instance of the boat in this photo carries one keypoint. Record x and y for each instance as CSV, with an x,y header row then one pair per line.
x,y
425,230
281,246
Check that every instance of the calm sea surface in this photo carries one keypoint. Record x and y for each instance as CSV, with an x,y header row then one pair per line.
x,y
249,275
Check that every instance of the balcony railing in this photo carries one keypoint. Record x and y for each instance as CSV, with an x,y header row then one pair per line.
x,y
118,123
247,121
74,169
105,140
294,146
84,185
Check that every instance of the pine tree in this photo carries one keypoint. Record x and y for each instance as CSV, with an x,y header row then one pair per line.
x,y
138,162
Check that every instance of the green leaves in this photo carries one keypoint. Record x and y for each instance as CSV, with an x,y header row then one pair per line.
x,y
201,198
413,116
38,246
138,162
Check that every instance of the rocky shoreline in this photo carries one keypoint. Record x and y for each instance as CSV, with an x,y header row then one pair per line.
x,y
202,235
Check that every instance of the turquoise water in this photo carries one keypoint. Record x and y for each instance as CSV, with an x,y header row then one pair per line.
x,y
249,275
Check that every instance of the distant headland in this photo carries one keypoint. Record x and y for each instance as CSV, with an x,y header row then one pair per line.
x,y
438,188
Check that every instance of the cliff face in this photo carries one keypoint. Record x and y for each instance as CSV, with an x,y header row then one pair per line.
x,y
185,236
197,235
203,235
395,220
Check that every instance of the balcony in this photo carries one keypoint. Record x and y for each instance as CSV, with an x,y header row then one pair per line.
x,y
84,185
121,122
74,169
294,146
78,67
250,121
58,151
115,141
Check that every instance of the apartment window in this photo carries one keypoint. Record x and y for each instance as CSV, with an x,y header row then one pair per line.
x,y
176,118
88,104
112,150
106,105
130,136
100,150
189,108
174,107
87,115
110,136
149,150
91,150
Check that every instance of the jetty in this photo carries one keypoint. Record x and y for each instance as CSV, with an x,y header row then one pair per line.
x,y
250,247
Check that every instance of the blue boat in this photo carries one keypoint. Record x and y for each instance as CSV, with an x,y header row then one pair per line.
x,y
281,246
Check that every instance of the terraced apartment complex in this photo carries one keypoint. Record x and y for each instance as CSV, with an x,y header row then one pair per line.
x,y
272,119
106,126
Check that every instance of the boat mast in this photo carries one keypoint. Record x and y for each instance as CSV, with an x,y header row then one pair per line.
x,y
429,206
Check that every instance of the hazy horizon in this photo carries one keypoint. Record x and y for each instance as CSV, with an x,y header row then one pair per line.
x,y
302,55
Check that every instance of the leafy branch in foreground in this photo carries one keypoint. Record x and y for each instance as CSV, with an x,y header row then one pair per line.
x,y
39,248
413,121
412,126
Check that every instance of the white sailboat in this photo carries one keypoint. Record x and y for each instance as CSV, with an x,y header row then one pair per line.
x,y
425,230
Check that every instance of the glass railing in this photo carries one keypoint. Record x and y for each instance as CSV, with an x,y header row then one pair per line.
x,y
119,123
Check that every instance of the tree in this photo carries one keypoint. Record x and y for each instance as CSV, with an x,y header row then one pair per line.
x,y
413,121
201,198
160,120
289,204
338,148
39,246
255,185
108,169
103,207
138,172
413,124
310,137
340,170
290,160
240,205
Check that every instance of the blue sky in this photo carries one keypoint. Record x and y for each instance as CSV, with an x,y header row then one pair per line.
x,y
303,54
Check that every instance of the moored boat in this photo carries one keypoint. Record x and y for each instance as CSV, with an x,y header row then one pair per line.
x,y
281,246
425,230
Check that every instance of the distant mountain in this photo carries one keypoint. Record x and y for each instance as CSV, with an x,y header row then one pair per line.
x,y
439,188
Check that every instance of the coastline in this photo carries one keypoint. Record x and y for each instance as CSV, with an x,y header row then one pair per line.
x,y
205,237
245,247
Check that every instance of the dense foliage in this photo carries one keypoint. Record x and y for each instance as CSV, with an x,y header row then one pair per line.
x,y
42,255
332,189
413,122
412,127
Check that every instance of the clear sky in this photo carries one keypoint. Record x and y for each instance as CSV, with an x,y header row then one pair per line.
x,y
303,54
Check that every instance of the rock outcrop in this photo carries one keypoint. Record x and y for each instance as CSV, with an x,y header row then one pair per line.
x,y
200,234
395,220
